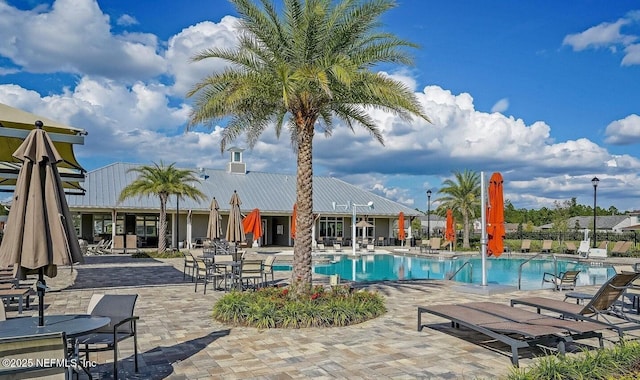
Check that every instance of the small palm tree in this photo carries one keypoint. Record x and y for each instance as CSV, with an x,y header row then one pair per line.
x,y
463,197
162,181
301,70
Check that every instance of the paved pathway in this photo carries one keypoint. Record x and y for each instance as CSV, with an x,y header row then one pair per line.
x,y
179,340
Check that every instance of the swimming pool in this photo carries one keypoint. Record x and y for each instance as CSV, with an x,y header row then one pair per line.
x,y
503,271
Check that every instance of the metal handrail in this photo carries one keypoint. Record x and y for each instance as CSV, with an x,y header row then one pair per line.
x,y
459,269
555,266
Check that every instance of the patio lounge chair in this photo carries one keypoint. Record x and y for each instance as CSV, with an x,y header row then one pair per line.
x,y
32,350
118,307
599,308
546,246
518,330
337,247
570,247
371,248
425,244
526,245
564,280
622,249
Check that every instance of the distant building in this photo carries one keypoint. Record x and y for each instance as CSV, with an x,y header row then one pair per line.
x,y
98,214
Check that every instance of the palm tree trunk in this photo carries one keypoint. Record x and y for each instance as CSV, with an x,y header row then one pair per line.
x,y
465,238
302,246
162,227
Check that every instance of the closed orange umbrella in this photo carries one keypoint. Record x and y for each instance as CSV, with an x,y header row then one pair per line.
x,y
495,216
252,223
401,234
450,231
293,220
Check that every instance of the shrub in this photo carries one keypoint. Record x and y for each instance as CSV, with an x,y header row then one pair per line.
x,y
620,362
291,307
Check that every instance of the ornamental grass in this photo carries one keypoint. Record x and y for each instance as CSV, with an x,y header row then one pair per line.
x,y
290,307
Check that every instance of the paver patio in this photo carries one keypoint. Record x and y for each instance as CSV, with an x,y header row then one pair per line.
x,y
178,339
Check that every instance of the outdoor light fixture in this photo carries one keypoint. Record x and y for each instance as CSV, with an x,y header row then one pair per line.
x,y
594,181
429,214
353,207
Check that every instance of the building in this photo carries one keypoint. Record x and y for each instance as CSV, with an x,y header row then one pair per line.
x,y
98,215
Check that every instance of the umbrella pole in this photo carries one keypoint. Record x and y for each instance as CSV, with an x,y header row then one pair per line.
x,y
483,232
40,288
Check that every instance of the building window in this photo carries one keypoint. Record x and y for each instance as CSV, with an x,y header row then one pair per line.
x,y
102,226
236,157
331,227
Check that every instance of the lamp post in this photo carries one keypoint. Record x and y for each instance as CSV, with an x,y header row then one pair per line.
x,y
429,214
353,207
594,181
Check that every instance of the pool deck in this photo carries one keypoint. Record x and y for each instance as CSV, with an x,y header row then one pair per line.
x,y
178,339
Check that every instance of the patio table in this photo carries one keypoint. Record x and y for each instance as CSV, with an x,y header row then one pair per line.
x,y
73,325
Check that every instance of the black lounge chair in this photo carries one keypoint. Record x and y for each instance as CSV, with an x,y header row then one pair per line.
x,y
600,307
523,330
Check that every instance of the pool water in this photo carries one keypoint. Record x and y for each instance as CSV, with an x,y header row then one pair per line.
x,y
503,271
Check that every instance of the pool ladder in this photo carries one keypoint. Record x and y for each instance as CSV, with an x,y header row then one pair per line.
x,y
555,266
468,262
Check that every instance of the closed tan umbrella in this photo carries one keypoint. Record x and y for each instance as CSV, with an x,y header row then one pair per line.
x,y
39,234
214,229
235,231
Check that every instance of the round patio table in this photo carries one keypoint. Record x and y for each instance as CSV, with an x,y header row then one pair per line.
x,y
72,325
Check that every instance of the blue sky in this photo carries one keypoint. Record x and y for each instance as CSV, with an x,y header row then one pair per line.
x,y
546,92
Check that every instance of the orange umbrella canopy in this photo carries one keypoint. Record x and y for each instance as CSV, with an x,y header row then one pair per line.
x,y
252,223
450,231
401,234
495,216
293,220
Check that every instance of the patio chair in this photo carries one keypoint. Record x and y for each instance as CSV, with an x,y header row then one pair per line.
x,y
337,247
118,307
516,329
526,245
546,246
570,247
563,281
380,241
32,350
600,307
425,245
371,248
434,244
189,263
320,247
209,274
267,268
251,271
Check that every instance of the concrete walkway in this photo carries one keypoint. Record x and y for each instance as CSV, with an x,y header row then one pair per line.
x,y
178,339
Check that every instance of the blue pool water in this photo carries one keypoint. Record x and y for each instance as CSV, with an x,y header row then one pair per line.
x,y
503,271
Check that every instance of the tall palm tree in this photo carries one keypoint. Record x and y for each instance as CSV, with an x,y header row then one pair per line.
x,y
302,69
162,181
462,195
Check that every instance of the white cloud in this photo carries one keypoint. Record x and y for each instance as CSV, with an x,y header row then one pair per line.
x,y
192,40
132,116
501,106
74,36
608,35
126,20
624,132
